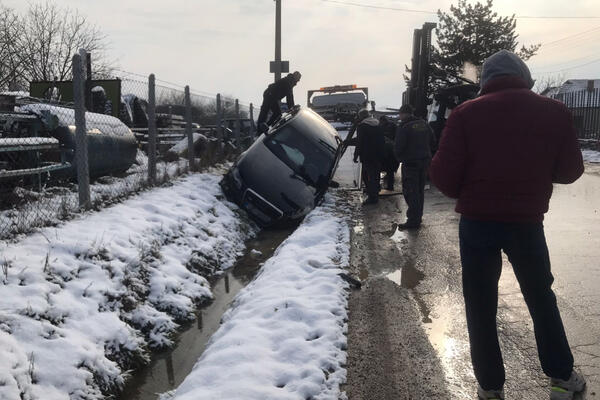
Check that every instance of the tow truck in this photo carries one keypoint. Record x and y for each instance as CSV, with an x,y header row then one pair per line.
x,y
338,103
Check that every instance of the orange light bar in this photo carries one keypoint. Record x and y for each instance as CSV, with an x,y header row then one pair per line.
x,y
339,87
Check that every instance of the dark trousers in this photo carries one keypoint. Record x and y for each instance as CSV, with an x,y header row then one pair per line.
x,y
389,180
390,166
269,103
414,174
371,171
481,244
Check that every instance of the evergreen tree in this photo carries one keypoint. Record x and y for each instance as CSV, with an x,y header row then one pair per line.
x,y
468,34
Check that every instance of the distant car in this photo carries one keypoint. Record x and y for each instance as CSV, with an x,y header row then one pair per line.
x,y
287,170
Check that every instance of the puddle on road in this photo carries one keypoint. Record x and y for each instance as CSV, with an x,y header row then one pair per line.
x,y
408,277
168,369
435,322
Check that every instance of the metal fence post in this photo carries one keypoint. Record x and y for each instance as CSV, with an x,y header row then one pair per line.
x,y
188,128
237,122
151,130
219,122
252,124
81,150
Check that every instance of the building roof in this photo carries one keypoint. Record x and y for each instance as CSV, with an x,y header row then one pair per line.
x,y
575,85
575,94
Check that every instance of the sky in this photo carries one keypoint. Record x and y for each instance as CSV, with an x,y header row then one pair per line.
x,y
224,46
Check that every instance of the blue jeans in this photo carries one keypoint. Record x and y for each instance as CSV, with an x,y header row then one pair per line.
x,y
481,244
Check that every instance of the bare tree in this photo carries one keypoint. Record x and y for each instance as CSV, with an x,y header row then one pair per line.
x,y
544,84
11,40
51,35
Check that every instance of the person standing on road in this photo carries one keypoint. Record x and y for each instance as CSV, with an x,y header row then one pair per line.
x,y
412,147
370,147
499,156
276,91
390,164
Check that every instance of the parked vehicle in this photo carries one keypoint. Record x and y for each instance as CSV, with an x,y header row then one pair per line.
x,y
112,147
287,170
338,103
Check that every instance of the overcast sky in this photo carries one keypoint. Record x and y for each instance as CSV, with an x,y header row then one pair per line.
x,y
226,45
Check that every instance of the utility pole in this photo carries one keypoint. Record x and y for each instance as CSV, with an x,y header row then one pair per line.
x,y
278,38
278,66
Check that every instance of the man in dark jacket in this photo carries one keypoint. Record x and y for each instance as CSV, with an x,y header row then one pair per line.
x,y
271,97
412,147
389,164
499,155
370,147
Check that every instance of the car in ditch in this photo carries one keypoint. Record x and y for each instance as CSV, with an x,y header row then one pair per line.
x,y
286,172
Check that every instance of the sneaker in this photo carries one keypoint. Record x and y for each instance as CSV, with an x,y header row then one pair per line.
x,y
564,390
490,394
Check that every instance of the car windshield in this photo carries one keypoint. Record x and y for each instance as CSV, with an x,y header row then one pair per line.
x,y
310,160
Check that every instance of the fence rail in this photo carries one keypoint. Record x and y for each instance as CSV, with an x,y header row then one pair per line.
x,y
57,158
585,106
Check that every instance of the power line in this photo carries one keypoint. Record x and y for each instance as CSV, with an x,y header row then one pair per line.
x,y
556,17
566,63
570,68
577,35
372,6
379,7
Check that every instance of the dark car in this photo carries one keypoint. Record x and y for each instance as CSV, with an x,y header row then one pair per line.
x,y
287,170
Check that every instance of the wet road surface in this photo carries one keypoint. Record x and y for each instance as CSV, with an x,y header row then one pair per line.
x,y
407,332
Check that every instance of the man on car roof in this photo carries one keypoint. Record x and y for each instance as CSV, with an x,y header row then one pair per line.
x,y
271,97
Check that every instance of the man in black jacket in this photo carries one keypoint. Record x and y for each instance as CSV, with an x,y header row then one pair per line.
x,y
414,140
271,96
370,148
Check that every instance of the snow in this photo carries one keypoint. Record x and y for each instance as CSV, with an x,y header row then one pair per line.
x,y
182,145
82,303
53,204
106,124
284,336
340,125
27,141
591,156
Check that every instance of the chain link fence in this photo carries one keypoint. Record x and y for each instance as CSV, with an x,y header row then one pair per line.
x,y
84,144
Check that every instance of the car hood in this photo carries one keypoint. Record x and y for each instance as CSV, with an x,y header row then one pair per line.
x,y
288,192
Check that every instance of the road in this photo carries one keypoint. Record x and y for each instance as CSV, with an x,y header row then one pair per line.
x,y
407,332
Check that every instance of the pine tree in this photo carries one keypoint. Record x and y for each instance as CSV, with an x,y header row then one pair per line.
x,y
468,34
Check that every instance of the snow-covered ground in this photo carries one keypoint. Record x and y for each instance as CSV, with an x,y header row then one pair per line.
x,y
57,203
81,303
591,156
284,336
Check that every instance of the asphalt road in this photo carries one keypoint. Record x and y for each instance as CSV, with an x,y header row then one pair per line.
x,y
407,334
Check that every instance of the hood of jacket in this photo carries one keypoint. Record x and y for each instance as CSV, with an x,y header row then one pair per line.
x,y
505,63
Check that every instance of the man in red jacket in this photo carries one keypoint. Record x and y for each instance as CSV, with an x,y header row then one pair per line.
x,y
499,156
